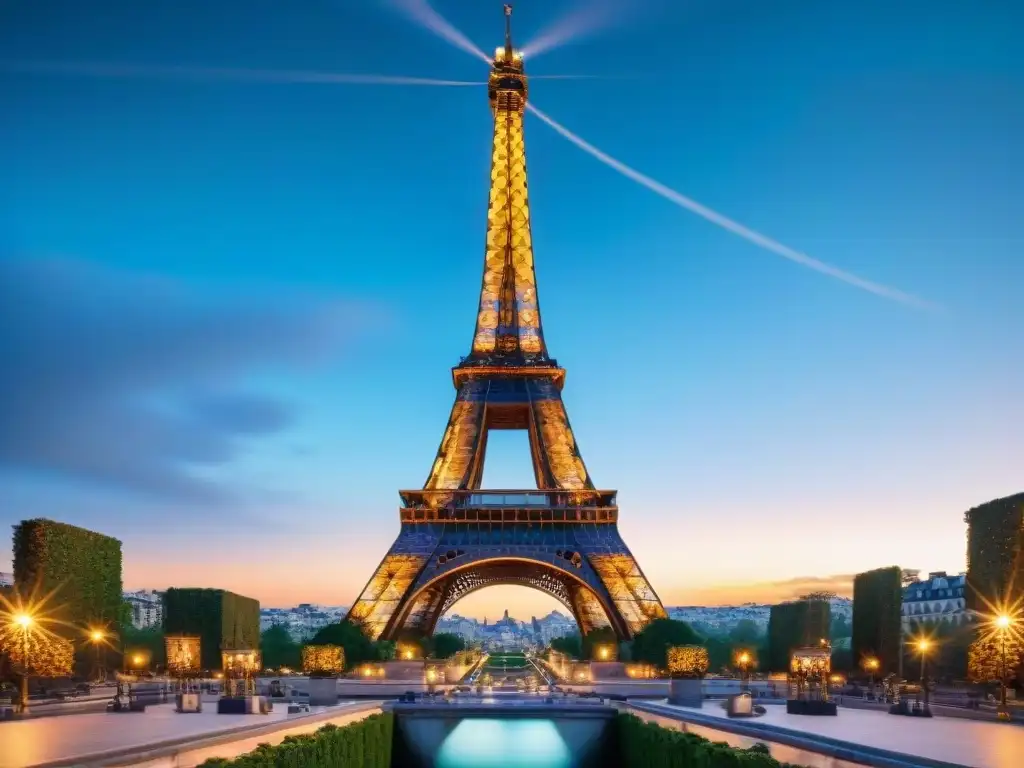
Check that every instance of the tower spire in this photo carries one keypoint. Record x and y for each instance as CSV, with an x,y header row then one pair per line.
x,y
508,30
508,328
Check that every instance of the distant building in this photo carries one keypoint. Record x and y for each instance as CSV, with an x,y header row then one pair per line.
x,y
303,621
937,599
147,608
6,579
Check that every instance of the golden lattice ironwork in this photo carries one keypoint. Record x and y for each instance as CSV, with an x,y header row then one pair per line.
x,y
385,591
561,538
629,589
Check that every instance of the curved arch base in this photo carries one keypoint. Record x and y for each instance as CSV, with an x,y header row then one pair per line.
x,y
587,568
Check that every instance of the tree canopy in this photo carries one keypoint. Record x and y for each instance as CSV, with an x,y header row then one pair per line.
x,y
279,649
444,645
358,647
651,644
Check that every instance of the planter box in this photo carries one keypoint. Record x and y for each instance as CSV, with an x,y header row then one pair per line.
x,y
188,702
323,691
232,705
686,692
814,708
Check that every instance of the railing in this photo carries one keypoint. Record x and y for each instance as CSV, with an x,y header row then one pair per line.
x,y
508,499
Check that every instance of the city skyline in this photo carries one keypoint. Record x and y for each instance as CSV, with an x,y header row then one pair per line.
x,y
257,288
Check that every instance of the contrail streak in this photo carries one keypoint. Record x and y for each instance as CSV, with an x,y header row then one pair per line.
x,y
732,226
212,73
579,23
421,12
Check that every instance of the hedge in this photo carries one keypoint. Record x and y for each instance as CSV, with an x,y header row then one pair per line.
x,y
995,552
877,621
82,568
223,621
797,624
650,745
364,744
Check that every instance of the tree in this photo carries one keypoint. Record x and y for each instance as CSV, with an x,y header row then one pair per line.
x,y
985,658
839,627
797,624
746,633
877,620
651,644
151,641
597,637
445,645
279,649
571,645
358,647
48,654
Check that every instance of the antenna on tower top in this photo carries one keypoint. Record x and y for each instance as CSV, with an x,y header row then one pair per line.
x,y
508,28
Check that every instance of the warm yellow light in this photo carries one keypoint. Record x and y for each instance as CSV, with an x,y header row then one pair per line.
x,y
744,658
408,654
96,635
499,52
924,644
137,660
431,675
23,620
1004,621
604,653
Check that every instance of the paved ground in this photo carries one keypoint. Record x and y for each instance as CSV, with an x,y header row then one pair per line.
x,y
954,740
42,740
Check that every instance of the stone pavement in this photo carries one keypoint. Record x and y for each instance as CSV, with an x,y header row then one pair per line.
x,y
43,740
952,740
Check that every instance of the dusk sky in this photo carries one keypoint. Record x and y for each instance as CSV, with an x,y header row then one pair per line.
x,y
229,305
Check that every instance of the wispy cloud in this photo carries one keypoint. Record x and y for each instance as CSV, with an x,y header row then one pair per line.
x,y
131,382
767,591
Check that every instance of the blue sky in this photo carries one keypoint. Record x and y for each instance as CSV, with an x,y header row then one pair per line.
x,y
229,308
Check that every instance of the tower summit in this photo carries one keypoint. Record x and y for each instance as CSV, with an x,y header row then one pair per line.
x,y
561,537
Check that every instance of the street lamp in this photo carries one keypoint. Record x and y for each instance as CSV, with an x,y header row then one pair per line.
x,y
871,666
26,622
97,637
743,660
1003,623
924,645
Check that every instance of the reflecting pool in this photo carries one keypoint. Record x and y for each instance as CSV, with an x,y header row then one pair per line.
x,y
492,743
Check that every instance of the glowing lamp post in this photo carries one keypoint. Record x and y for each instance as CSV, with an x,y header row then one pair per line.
x,y
871,665
743,661
1003,623
604,652
924,647
96,637
25,622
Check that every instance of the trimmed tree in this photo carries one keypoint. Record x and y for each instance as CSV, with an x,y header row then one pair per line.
x,y
223,621
995,553
877,600
652,643
81,568
795,624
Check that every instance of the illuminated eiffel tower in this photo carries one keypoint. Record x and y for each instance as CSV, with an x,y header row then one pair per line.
x,y
561,537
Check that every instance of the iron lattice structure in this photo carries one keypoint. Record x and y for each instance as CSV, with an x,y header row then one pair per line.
x,y
562,537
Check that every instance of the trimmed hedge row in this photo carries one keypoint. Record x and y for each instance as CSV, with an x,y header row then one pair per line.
x,y
650,745
223,621
364,744
82,568
796,624
877,600
995,552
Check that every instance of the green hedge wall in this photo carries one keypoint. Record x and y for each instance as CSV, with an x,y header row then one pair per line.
x,y
877,600
650,745
221,619
365,744
796,624
995,552
82,568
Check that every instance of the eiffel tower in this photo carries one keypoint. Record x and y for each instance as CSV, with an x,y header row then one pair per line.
x,y
562,537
